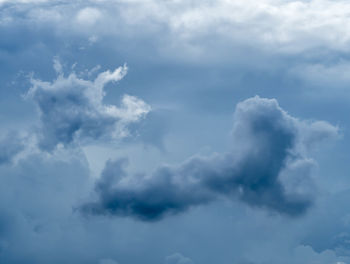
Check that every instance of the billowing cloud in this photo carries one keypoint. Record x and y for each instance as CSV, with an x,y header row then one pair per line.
x,y
267,143
190,59
72,109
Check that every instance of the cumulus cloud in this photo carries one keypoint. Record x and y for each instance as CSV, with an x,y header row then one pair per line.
x,y
72,109
267,143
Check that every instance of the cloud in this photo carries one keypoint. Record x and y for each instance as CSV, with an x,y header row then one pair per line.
x,y
177,258
267,143
36,197
275,26
37,193
152,130
305,254
72,109
289,26
10,146
107,261
88,16
329,75
22,1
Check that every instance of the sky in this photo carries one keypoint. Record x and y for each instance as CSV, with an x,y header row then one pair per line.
x,y
174,132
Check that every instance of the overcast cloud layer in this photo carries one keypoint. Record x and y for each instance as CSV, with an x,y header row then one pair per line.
x,y
174,132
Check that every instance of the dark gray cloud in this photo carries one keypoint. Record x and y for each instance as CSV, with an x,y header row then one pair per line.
x,y
267,144
10,146
71,108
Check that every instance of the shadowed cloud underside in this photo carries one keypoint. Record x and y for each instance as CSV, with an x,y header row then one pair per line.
x,y
266,143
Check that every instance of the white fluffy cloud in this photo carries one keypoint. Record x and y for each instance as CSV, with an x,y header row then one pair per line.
x,y
72,109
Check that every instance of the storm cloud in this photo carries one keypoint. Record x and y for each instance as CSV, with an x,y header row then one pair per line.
x,y
174,178
268,144
72,109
